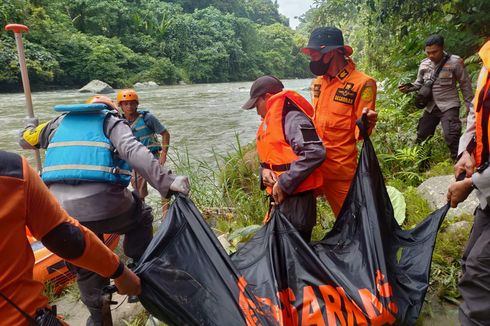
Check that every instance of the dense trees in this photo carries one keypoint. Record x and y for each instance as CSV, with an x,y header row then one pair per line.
x,y
124,41
388,35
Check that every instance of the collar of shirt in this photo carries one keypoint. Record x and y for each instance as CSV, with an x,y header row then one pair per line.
x,y
343,73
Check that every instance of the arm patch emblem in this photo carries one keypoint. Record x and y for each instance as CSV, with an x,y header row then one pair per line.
x,y
367,93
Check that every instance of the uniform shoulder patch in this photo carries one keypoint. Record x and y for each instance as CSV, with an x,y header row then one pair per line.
x,y
367,93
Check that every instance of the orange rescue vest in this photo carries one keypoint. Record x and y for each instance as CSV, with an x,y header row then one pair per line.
x,y
274,151
482,108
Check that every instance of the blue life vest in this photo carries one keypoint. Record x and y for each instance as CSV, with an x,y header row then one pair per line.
x,y
80,151
144,134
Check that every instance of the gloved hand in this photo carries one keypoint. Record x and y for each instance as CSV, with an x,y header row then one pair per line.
x,y
181,184
31,122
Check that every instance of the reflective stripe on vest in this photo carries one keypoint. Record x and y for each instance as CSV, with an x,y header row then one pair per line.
x,y
273,150
144,134
79,151
86,167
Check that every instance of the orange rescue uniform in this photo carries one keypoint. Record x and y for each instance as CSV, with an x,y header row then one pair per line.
x,y
338,103
482,114
26,201
275,153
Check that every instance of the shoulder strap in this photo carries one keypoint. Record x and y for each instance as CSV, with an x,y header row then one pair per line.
x,y
438,70
31,320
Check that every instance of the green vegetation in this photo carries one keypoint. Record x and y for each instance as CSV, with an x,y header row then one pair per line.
x,y
121,42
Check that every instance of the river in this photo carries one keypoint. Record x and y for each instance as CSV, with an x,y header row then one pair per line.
x,y
200,118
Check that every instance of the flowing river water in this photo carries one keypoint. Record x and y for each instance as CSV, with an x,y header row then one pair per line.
x,y
201,118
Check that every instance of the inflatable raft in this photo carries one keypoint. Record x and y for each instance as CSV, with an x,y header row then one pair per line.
x,y
50,268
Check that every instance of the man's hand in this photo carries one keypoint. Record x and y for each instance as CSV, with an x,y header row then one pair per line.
x,y
466,163
31,122
128,283
459,191
278,194
405,88
269,178
372,117
181,184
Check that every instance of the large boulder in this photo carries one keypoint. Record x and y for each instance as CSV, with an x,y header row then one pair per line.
x,y
148,84
434,190
97,87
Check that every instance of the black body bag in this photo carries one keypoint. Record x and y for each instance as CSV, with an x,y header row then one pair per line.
x,y
366,271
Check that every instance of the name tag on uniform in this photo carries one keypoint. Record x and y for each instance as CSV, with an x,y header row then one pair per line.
x,y
345,95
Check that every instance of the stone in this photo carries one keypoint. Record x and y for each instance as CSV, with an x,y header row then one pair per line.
x,y
434,190
97,87
148,84
458,226
76,313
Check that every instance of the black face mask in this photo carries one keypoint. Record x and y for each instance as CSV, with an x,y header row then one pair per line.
x,y
319,68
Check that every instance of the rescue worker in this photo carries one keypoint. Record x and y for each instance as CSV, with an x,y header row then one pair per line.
x,y
474,145
145,127
289,150
86,170
444,104
340,95
26,201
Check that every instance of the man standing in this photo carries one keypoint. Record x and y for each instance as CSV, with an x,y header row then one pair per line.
x,y
443,106
340,95
289,150
27,202
86,170
145,127
474,145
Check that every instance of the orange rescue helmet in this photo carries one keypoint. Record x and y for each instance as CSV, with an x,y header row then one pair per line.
x,y
102,99
126,95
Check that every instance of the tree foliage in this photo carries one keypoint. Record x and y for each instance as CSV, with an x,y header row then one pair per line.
x,y
122,41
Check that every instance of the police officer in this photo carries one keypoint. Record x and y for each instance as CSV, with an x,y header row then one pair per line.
x,y
86,170
340,95
289,150
474,145
444,104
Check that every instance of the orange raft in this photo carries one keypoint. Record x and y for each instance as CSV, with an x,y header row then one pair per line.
x,y
50,268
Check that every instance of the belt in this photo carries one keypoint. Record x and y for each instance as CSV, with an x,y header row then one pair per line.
x,y
275,167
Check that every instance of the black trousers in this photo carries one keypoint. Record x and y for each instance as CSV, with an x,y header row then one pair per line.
x,y
451,127
474,285
300,210
136,225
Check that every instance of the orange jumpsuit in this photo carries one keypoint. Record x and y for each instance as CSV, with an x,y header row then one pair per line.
x,y
26,201
338,103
